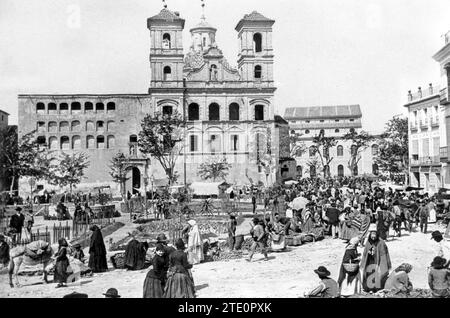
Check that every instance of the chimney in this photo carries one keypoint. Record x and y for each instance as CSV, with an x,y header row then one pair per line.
x,y
431,88
420,92
409,96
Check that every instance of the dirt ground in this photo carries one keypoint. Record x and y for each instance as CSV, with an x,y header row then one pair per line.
x,y
288,274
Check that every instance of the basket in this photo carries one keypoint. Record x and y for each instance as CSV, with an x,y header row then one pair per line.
x,y
351,267
118,261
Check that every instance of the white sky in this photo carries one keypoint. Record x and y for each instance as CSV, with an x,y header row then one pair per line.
x,y
327,52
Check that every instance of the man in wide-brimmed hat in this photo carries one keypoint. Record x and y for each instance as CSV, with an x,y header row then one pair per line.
x,y
16,223
112,293
328,287
162,239
439,278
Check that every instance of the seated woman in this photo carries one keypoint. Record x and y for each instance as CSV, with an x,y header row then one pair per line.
x,y
328,288
439,278
277,235
308,222
398,281
179,279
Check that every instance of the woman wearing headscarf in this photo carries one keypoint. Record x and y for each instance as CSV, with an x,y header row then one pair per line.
x,y
179,280
135,255
349,280
375,263
308,222
155,280
62,263
398,281
195,244
97,251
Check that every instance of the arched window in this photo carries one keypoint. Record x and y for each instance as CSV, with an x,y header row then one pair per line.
x,y
41,140
336,130
40,107
111,142
90,126
340,151
258,71
111,125
76,125
307,131
52,108
322,132
133,138
213,73
259,112
65,143
352,130
374,150
63,107
76,142
90,142
52,127
100,142
167,73
234,111
41,126
88,106
353,150
312,151
167,110
312,171
193,112
64,126
53,143
257,42
299,171
340,171
375,169
100,125
100,107
110,106
75,107
166,41
214,111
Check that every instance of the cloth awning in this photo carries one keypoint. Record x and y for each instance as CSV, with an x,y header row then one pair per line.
x,y
205,188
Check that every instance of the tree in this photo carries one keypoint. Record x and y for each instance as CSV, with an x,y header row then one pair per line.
x,y
313,165
24,157
70,170
393,148
119,168
297,147
360,142
321,146
214,168
161,136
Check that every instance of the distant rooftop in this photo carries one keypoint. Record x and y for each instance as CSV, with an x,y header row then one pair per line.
x,y
254,17
165,16
316,112
2,111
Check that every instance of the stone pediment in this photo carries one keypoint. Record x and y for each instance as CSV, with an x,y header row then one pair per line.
x,y
214,68
213,52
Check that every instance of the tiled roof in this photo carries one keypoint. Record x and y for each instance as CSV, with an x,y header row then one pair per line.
x,y
167,15
2,111
341,111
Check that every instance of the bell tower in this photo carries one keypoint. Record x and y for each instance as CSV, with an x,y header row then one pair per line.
x,y
255,58
166,49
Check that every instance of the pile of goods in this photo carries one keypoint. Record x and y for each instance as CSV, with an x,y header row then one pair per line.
x,y
118,261
227,255
415,293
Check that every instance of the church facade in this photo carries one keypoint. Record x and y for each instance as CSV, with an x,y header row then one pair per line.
x,y
229,111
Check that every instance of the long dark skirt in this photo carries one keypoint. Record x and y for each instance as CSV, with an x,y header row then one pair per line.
x,y
98,263
179,285
61,275
368,276
152,287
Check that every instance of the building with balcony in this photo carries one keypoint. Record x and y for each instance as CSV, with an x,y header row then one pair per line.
x,y
229,111
425,129
333,121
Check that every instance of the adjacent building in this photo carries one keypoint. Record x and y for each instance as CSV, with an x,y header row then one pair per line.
x,y
229,110
332,121
3,119
429,129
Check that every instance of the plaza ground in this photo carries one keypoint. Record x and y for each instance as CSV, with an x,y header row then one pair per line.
x,y
288,274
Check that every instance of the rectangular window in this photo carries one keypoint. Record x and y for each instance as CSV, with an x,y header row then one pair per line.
x,y
215,144
436,146
194,143
234,142
415,147
425,147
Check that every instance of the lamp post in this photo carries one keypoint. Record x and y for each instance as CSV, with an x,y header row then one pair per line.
x,y
152,180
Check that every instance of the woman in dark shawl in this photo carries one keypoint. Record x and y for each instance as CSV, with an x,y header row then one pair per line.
x,y
135,255
97,251
350,282
4,251
62,263
375,263
179,280
155,281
